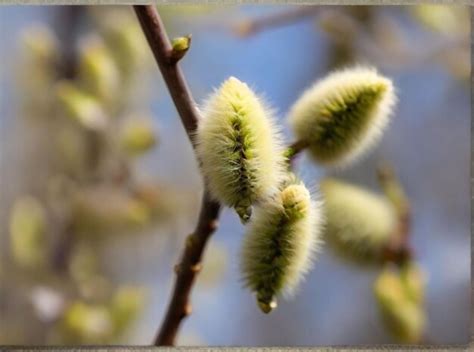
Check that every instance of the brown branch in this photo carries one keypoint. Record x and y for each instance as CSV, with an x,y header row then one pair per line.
x,y
190,263
186,271
160,45
295,148
399,250
250,27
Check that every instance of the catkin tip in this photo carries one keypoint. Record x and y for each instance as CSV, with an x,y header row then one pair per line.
x,y
267,306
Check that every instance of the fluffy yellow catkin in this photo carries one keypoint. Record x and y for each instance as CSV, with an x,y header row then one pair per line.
x,y
239,147
358,223
280,244
341,116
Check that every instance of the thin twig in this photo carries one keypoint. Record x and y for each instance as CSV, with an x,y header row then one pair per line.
x,y
295,148
190,263
399,250
161,47
253,26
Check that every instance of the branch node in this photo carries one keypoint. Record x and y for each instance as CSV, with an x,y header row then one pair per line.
x,y
196,267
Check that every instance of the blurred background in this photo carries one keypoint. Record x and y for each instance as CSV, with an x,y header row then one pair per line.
x,y
99,185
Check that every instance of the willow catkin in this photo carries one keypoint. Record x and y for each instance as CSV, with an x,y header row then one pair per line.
x,y
358,223
80,106
28,225
402,313
137,136
238,147
280,244
341,116
98,73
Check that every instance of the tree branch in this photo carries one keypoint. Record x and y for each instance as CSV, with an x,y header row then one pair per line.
x,y
162,50
399,250
295,148
190,262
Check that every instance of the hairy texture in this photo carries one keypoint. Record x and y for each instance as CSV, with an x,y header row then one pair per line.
x,y
239,149
341,116
403,315
358,223
280,244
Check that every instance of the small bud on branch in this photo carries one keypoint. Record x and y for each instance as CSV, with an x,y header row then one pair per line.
x,y
179,46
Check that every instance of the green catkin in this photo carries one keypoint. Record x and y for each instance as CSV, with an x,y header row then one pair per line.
x,y
81,106
280,244
341,116
123,36
87,323
358,223
239,148
401,310
98,72
414,280
137,136
125,306
28,225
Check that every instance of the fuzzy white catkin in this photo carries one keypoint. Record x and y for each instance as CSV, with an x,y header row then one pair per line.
x,y
280,245
239,147
341,116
